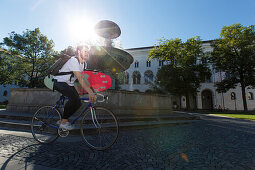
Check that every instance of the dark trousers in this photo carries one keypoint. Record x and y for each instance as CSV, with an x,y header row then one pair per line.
x,y
74,103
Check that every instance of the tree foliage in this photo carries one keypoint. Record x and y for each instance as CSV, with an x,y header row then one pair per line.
x,y
36,51
234,53
183,73
68,51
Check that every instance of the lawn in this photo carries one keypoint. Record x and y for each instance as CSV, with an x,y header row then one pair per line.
x,y
2,106
250,115
240,116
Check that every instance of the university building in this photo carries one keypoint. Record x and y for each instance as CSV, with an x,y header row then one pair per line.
x,y
142,71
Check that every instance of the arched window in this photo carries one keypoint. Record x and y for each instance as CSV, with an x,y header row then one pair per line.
x,y
148,76
250,96
233,96
136,77
5,93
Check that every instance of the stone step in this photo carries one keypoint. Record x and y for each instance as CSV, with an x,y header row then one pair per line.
x,y
23,124
121,118
22,120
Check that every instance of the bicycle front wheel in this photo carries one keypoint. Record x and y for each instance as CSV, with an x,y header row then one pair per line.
x,y
44,124
101,132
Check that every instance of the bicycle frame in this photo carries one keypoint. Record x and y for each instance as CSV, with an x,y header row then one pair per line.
x,y
60,103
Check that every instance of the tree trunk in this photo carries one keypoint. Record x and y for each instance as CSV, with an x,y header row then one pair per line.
x,y
194,102
30,84
187,102
180,96
244,96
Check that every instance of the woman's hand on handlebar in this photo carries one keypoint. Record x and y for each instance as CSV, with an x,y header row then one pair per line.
x,y
92,97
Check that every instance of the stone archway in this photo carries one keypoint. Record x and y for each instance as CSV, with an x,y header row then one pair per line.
x,y
207,99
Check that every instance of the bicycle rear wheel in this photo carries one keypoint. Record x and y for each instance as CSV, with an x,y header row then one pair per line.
x,y
44,124
103,132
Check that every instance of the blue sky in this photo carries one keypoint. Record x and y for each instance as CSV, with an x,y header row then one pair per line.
x,y
142,22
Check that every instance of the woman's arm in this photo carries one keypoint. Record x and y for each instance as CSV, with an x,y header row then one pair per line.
x,y
85,86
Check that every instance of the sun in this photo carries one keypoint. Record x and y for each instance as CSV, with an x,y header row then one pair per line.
x,y
82,30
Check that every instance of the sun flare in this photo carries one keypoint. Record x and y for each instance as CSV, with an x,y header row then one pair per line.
x,y
82,30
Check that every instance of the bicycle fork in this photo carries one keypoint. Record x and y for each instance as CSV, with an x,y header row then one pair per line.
x,y
94,117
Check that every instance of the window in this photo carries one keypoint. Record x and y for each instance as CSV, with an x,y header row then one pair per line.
x,y
136,64
5,93
227,76
160,63
136,77
148,63
148,76
204,60
208,79
233,96
250,96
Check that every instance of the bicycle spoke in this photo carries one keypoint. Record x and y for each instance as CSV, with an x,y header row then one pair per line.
x,y
102,135
43,125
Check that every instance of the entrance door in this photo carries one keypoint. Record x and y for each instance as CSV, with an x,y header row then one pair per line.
x,y
207,100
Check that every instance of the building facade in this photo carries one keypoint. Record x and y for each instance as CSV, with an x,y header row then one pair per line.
x,y
142,71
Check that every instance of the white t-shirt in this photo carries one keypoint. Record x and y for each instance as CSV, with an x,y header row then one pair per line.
x,y
71,65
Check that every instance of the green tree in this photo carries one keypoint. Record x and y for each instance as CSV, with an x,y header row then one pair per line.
x,y
5,68
36,51
234,53
68,51
7,63
183,73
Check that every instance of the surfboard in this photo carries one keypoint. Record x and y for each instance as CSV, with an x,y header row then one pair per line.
x,y
97,80
48,82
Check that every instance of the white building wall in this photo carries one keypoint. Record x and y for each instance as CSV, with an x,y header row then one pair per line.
x,y
224,99
140,55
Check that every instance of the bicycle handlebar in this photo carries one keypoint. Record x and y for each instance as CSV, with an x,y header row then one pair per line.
x,y
104,98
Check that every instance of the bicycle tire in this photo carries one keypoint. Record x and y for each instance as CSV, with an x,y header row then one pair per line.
x,y
44,125
95,137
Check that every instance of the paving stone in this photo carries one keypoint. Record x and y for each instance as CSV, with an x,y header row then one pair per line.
x,y
193,146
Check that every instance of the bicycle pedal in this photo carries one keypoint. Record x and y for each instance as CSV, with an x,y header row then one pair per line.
x,y
63,132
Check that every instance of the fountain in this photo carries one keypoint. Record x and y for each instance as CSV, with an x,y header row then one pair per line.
x,y
108,58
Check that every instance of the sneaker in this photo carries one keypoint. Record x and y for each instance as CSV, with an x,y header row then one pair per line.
x,y
67,126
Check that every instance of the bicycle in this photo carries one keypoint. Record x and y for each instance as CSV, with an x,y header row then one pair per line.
x,y
98,127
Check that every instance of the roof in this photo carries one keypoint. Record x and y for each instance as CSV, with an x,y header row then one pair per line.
x,y
149,47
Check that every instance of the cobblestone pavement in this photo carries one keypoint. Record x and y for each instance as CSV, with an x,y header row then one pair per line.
x,y
207,144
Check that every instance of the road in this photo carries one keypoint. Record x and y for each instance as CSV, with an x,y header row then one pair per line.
x,y
212,143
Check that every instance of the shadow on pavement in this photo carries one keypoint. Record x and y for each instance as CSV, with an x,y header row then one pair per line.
x,y
5,164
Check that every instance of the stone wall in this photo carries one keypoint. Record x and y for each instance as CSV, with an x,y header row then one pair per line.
x,y
120,102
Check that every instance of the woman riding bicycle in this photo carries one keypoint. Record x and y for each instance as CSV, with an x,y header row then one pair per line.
x,y
65,84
